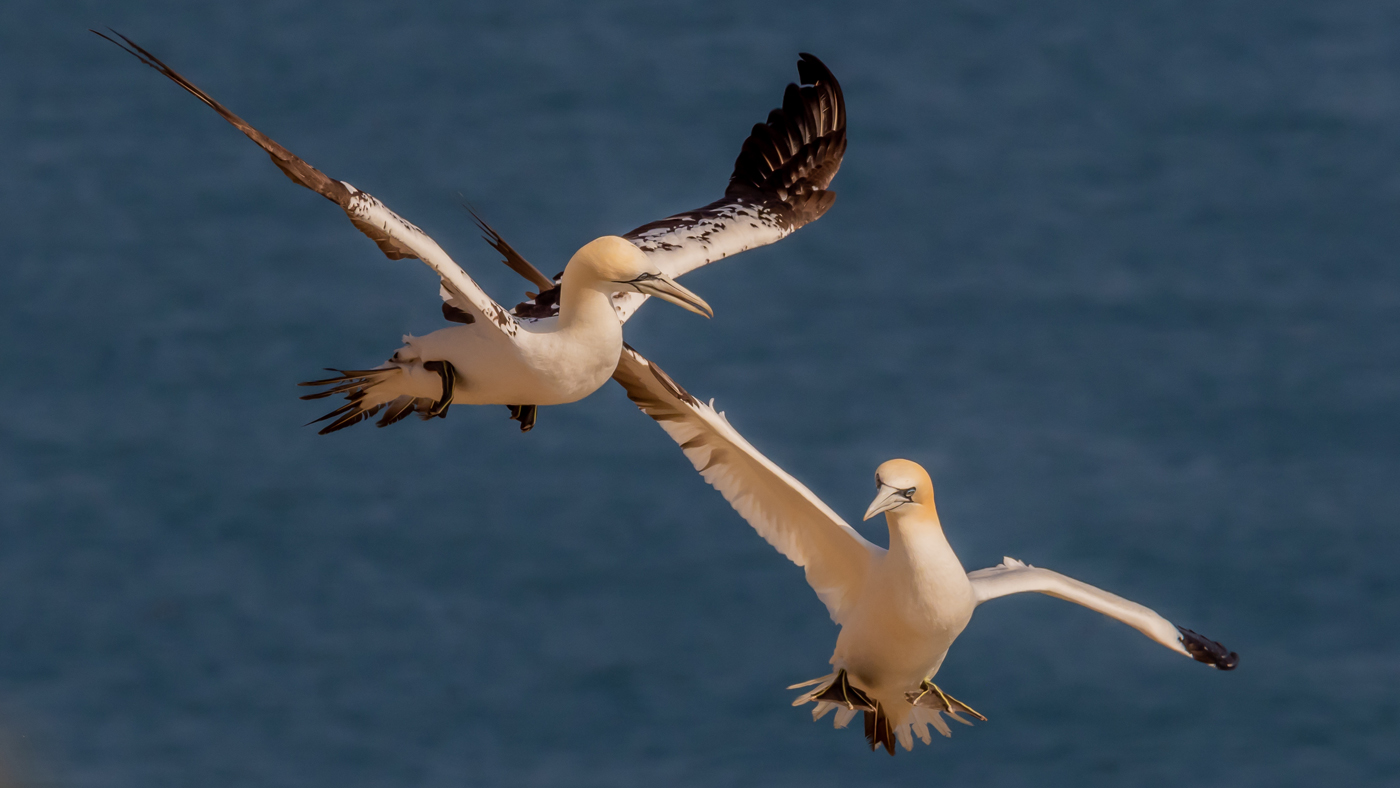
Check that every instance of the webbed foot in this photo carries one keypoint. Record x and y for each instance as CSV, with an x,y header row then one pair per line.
x,y
525,414
840,692
928,695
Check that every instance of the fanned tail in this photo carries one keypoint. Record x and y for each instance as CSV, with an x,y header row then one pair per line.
x,y
834,692
391,388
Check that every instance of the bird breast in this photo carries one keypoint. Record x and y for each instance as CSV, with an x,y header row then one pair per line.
x,y
915,604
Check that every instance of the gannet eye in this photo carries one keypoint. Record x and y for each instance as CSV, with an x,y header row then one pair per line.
x,y
909,493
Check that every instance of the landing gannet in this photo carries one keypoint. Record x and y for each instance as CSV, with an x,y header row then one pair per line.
x,y
560,346
899,609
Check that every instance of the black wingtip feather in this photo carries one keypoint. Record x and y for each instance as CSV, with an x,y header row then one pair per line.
x,y
1203,649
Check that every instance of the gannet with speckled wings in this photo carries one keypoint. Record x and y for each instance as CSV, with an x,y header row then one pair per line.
x,y
899,609
561,345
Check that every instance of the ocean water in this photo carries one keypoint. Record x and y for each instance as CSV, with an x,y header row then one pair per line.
x,y
1122,276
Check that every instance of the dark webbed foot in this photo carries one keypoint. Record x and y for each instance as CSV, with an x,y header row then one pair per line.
x,y
448,374
525,414
930,696
840,692
1205,650
878,730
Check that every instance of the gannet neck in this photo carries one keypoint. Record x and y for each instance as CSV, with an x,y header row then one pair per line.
x,y
584,301
914,526
591,277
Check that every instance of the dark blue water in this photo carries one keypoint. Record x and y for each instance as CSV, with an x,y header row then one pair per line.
x,y
1122,276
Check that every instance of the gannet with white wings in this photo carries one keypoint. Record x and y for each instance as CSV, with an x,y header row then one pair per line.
x,y
899,609
561,345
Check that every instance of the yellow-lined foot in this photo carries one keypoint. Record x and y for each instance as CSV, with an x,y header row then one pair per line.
x,y
929,696
878,730
840,692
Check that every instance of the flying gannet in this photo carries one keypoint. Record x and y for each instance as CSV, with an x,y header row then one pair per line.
x,y
899,609
564,342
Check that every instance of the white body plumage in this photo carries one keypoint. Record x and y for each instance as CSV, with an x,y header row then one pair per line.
x,y
899,609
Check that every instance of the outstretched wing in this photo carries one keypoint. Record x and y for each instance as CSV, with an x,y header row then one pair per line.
x,y
395,236
779,507
1014,577
779,184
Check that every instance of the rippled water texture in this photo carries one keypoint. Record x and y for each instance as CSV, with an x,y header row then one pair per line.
x,y
1122,275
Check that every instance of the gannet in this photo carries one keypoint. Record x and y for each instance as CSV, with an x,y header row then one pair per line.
x,y
899,609
564,342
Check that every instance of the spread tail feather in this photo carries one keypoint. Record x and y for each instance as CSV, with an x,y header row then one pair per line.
x,y
834,692
390,388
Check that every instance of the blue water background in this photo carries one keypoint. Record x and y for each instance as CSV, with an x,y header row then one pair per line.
x,y
1123,276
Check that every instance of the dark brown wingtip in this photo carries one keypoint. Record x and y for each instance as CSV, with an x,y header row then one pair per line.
x,y
513,259
289,163
1203,649
811,70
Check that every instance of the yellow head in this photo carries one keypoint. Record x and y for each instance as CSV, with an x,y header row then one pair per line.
x,y
901,485
612,264
608,259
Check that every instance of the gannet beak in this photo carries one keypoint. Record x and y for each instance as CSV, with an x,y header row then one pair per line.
x,y
664,287
888,498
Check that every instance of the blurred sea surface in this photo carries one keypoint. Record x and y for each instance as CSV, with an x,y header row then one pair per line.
x,y
1122,276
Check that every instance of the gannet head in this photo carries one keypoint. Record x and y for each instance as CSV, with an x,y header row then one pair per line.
x,y
613,264
901,485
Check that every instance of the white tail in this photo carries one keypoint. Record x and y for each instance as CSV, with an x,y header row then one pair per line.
x,y
397,388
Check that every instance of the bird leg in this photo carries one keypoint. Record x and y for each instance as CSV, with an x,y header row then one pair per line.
x,y
525,414
448,374
929,696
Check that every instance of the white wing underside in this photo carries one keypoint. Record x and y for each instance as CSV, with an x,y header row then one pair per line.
x,y
1015,577
780,508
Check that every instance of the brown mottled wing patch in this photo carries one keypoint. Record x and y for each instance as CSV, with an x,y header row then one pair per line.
x,y
542,304
778,184
387,243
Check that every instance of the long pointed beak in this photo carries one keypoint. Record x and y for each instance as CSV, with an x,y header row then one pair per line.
x,y
887,499
664,287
